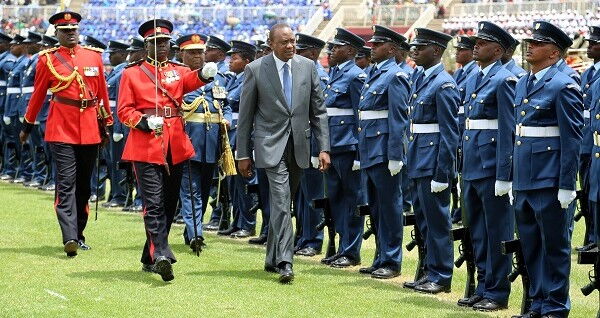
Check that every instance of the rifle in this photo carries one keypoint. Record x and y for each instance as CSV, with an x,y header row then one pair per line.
x,y
591,257
327,221
418,242
365,210
465,248
514,246
584,211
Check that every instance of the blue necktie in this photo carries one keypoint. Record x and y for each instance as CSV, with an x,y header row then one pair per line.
x,y
334,71
419,79
479,79
287,84
530,83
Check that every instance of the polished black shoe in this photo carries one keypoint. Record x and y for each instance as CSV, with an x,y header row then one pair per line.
x,y
136,208
413,284
586,248
550,316
469,301
261,240
84,246
432,288
6,177
270,269
228,231
32,184
307,251
49,187
211,226
242,234
19,180
148,268
163,267
384,273
286,274
344,262
196,244
530,314
488,305
367,270
71,247
330,259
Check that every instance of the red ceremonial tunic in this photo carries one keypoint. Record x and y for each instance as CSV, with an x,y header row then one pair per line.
x,y
67,123
137,92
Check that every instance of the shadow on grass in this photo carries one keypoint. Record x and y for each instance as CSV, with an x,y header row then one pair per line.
x,y
243,273
46,251
135,276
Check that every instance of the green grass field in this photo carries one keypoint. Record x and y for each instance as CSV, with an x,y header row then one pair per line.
x,y
227,280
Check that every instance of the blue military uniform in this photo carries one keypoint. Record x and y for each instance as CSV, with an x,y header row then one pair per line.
x,y
431,154
594,148
6,61
487,151
311,187
563,67
381,129
342,97
549,118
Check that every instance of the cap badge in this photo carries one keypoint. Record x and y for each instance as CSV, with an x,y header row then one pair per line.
x,y
196,38
537,26
67,16
158,30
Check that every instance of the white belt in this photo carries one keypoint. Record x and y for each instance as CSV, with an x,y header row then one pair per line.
x,y
424,128
2,83
27,89
13,90
528,131
586,113
331,111
461,110
235,116
372,114
112,103
481,123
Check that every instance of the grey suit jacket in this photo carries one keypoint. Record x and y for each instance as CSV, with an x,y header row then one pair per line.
x,y
265,115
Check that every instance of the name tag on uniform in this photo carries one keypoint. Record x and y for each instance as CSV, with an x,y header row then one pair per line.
x,y
91,71
219,92
171,76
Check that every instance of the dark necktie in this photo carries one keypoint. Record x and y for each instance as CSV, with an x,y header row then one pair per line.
x,y
479,78
334,71
459,74
591,74
420,79
530,83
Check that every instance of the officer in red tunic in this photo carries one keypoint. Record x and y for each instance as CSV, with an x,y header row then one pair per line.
x,y
77,120
150,95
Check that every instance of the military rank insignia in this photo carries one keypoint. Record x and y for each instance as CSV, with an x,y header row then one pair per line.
x,y
171,76
219,91
91,71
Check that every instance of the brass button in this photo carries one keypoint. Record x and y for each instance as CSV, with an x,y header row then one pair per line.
x,y
378,133
584,95
537,107
525,101
328,86
481,101
597,155
73,55
493,139
415,95
549,148
597,116
326,95
342,122
470,107
431,143
80,95
359,129
81,110
367,85
522,113
514,105
587,85
362,97
411,138
420,103
473,95
168,124
467,138
518,142
75,68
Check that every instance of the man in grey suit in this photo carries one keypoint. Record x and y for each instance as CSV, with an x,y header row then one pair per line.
x,y
280,107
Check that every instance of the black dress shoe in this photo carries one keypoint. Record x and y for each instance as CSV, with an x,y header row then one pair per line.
x,y
84,246
136,208
19,180
211,226
270,269
550,316
149,268
71,247
6,177
530,314
163,267
384,273
432,288
228,231
470,301
488,305
196,244
261,240
367,270
286,274
343,262
307,251
32,184
412,285
49,187
586,248
330,259
241,234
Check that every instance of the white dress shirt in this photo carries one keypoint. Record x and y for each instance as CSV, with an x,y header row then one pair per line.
x,y
279,65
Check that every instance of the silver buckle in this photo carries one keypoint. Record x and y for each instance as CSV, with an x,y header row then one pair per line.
x,y
167,113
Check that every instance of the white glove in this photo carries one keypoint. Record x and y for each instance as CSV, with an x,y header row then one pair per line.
x,y
356,165
314,161
565,197
117,137
6,120
21,119
394,166
155,122
209,70
502,187
438,187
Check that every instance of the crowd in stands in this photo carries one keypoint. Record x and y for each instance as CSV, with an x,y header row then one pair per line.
x,y
572,22
204,3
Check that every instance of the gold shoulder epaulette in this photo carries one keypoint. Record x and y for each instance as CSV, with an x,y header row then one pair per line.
x,y
50,50
93,49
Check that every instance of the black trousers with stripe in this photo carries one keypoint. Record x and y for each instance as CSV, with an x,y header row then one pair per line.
x,y
160,192
74,165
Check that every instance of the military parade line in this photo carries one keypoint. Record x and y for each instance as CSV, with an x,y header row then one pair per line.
x,y
246,127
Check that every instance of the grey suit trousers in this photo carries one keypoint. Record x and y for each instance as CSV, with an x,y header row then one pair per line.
x,y
284,180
